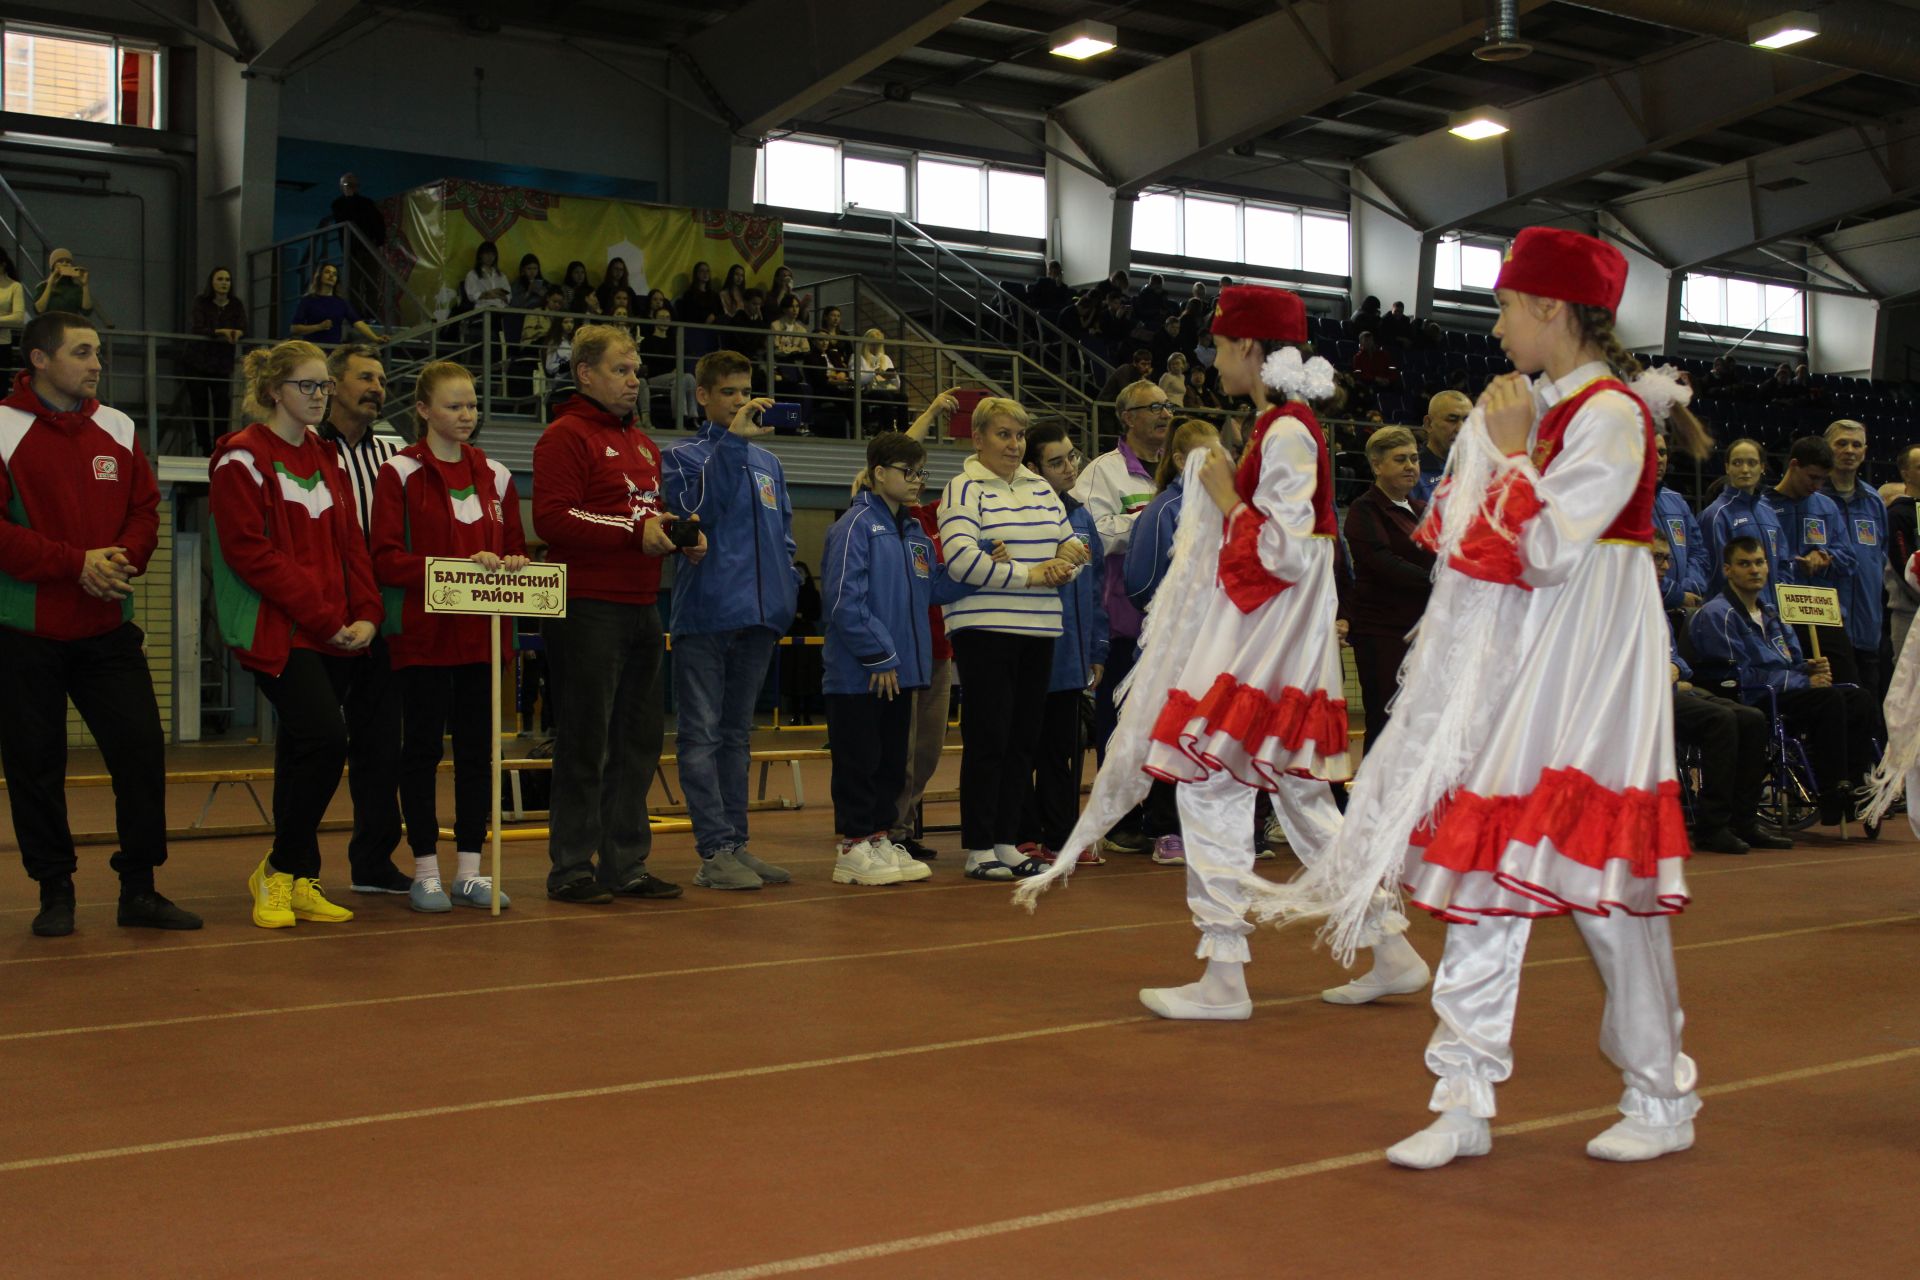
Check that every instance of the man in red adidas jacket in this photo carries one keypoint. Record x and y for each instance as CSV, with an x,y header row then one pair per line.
x,y
78,521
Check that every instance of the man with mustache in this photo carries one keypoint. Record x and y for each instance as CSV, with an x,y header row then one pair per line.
x,y
373,701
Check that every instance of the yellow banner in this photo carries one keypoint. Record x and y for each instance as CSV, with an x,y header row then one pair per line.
x,y
455,585
1809,606
443,223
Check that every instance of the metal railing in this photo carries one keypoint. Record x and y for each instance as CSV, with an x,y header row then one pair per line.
x,y
278,276
29,257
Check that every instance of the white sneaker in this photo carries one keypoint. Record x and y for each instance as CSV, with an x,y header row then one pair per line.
x,y
861,863
1631,1140
1453,1135
910,869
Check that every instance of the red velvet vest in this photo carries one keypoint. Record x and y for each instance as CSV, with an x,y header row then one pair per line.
x,y
1635,521
1247,479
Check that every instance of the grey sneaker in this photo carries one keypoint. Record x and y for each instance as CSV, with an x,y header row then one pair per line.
x,y
767,872
724,871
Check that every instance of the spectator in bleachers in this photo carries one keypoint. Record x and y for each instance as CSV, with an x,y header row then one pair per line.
x,y
1200,392
1138,369
791,347
1903,540
753,312
1003,634
1170,341
733,291
13,316
1731,739
577,287
557,355
1113,329
597,506
1782,385
488,288
1049,293
530,287
880,580
323,317
1392,574
1863,518
1817,546
1079,660
299,608
1396,327
661,369
1740,511
1366,319
1374,367
1723,381
729,611
1174,380
79,521
1740,644
700,304
441,496
357,211
67,287
1152,305
781,290
615,279
1446,413
883,397
1685,587
839,348
1430,337
531,345
219,320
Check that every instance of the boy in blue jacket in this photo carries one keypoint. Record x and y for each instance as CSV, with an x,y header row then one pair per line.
x,y
1818,546
880,575
728,610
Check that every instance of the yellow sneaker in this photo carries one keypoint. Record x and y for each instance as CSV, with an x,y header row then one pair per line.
x,y
310,903
272,897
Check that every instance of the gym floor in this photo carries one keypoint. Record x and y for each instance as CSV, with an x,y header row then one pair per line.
x,y
916,1081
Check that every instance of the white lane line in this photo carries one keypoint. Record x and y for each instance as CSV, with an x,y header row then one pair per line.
x,y
1221,1186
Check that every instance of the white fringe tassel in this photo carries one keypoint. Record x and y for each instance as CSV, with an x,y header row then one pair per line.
x,y
1890,777
1172,621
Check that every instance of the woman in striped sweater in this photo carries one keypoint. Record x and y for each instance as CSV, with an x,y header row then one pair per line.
x,y
1003,633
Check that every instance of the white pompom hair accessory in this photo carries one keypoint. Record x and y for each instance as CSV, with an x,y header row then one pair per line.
x,y
1303,380
1661,389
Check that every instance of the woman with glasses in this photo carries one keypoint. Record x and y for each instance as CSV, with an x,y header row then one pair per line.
x,y
297,603
1079,658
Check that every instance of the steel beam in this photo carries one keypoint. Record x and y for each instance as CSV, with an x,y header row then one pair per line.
x,y
772,59
1589,127
1884,255
1309,53
283,31
1694,221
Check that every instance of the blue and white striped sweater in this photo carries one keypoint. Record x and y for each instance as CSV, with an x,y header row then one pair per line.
x,y
1025,515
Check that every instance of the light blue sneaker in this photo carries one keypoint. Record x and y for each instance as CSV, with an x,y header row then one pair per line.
x,y
427,895
478,892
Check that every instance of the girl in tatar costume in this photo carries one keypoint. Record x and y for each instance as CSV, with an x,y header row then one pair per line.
x,y
1898,773
1529,761
1239,682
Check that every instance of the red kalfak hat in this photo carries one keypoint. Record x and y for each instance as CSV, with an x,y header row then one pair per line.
x,y
1255,311
1550,263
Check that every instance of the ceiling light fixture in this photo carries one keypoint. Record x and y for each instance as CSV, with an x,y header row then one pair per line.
x,y
1085,39
1480,123
1784,29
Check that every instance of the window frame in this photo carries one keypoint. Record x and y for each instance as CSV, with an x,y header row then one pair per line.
x,y
1241,205
1718,326
117,46
910,161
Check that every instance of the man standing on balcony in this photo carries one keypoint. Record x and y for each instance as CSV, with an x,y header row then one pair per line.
x,y
1114,488
79,517
373,700
363,215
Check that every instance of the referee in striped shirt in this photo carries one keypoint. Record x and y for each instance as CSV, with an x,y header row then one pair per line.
x,y
373,699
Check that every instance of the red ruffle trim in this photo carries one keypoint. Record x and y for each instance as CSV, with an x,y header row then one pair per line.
x,y
1250,716
1489,554
1245,579
1587,823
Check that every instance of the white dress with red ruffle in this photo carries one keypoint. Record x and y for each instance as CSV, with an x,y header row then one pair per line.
x,y
1260,695
1572,803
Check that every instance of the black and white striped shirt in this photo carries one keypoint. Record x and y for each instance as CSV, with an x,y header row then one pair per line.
x,y
361,463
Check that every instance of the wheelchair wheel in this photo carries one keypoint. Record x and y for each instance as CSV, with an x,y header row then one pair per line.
x,y
1787,800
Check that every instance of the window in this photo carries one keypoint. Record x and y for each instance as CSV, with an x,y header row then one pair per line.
x,y
1466,264
1016,204
81,77
800,175
1747,305
949,194
875,184
1260,235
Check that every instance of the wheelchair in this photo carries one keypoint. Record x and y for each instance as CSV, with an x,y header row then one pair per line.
x,y
1790,794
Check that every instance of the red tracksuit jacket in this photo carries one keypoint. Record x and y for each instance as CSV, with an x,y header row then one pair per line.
x,y
596,483
424,507
69,482
289,565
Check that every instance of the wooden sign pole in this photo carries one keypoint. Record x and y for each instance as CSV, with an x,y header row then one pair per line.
x,y
493,633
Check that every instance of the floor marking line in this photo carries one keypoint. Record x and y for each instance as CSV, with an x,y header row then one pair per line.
x,y
1218,1186
563,983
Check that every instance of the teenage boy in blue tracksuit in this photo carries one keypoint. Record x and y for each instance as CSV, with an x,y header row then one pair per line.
x,y
1674,518
1818,548
879,576
728,610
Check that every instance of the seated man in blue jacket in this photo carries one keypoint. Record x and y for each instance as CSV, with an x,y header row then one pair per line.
x,y
1818,547
1741,646
1731,738
728,610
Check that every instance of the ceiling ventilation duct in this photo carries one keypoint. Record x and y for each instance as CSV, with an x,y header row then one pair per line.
x,y
1871,36
1503,42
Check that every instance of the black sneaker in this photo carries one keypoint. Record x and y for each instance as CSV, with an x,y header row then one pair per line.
x,y
1123,841
1761,837
387,879
56,908
587,892
146,909
1719,840
649,885
919,852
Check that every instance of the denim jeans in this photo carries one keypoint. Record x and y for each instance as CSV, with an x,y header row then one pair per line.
x,y
716,681
604,669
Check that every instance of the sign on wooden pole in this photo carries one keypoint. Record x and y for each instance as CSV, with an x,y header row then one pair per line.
x,y
461,586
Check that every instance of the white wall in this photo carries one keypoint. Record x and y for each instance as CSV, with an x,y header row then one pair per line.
x,y
1087,232
1641,322
1386,251
1840,333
